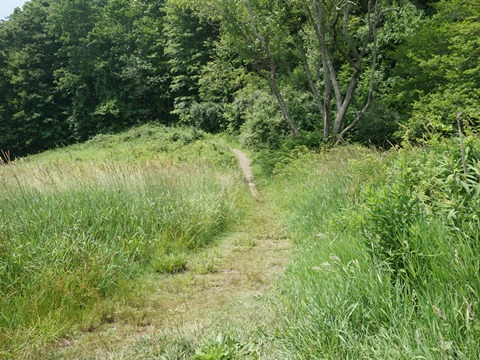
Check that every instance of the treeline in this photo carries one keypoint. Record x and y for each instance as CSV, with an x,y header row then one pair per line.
x,y
374,71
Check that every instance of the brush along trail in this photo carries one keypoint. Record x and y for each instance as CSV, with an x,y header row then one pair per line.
x,y
225,290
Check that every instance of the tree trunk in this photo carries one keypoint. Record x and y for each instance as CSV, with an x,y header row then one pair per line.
x,y
372,35
327,99
310,78
283,107
342,112
272,80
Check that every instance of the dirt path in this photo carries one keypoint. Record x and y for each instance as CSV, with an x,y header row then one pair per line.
x,y
225,289
247,170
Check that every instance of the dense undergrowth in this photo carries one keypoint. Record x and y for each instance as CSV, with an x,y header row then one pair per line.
x,y
79,225
387,263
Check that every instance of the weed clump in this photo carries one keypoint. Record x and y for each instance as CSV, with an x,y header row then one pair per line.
x,y
171,264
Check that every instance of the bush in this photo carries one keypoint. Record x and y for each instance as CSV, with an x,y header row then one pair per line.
x,y
207,116
426,192
383,272
377,127
264,126
391,225
255,112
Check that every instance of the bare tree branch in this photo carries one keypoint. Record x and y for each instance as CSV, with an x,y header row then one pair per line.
x,y
371,88
321,33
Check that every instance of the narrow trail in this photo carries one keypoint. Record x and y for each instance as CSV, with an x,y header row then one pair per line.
x,y
247,170
222,289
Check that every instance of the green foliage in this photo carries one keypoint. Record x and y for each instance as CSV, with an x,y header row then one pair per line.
x,y
302,108
378,127
420,190
188,48
224,348
73,66
72,69
219,108
395,228
170,264
151,141
207,116
263,125
130,85
220,79
421,222
31,116
442,57
118,79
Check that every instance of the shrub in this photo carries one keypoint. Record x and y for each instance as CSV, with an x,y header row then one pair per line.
x,y
381,272
207,116
264,126
377,127
426,192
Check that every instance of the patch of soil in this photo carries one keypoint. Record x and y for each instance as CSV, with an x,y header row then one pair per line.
x,y
247,170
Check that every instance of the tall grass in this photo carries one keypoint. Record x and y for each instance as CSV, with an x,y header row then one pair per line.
x,y
343,296
75,233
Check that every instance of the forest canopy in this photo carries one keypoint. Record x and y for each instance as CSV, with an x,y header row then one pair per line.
x,y
372,71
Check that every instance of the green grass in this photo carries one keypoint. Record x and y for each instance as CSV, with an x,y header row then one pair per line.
x,y
339,300
147,142
386,264
79,225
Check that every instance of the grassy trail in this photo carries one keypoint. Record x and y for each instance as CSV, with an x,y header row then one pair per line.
x,y
224,290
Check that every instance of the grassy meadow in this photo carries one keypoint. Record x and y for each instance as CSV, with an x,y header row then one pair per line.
x,y
386,263
79,225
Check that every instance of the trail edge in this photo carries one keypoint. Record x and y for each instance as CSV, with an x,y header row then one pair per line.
x,y
246,170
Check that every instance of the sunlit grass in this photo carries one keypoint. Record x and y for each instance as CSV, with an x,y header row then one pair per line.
x,y
75,233
339,302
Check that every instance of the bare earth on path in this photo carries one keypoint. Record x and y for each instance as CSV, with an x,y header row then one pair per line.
x,y
246,169
226,287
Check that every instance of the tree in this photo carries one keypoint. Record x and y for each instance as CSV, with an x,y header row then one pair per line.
x,y
250,30
128,65
31,119
189,46
113,64
437,74
71,21
346,33
335,41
